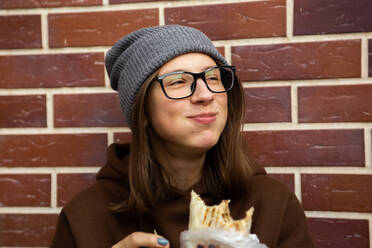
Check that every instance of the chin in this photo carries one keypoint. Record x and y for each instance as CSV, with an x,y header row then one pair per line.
x,y
206,143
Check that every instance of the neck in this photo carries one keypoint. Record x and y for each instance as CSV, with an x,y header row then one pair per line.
x,y
184,168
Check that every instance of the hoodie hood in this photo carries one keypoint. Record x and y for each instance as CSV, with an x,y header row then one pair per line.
x,y
116,167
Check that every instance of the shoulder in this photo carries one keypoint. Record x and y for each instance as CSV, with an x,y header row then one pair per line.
x,y
97,198
264,186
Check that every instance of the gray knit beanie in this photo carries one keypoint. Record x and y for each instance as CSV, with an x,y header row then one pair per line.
x,y
136,56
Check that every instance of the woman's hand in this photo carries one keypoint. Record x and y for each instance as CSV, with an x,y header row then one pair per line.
x,y
142,239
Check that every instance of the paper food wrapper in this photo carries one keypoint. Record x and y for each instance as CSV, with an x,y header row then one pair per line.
x,y
219,237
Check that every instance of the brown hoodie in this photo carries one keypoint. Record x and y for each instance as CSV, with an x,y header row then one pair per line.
x,y
87,221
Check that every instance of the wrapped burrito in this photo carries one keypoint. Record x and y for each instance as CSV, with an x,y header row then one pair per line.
x,y
214,225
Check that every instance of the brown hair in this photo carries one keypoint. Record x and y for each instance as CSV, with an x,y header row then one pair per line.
x,y
225,173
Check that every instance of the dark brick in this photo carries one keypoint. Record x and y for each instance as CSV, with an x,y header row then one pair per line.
x,y
52,70
97,28
341,192
340,233
122,137
268,104
23,111
347,103
53,150
90,110
25,190
307,147
13,31
15,4
70,184
233,20
332,17
19,230
310,60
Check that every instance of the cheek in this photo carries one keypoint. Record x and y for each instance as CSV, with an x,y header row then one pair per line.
x,y
162,112
223,104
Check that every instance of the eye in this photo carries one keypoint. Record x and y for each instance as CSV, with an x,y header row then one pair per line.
x,y
176,82
212,77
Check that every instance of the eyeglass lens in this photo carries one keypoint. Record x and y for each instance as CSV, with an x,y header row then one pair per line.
x,y
181,84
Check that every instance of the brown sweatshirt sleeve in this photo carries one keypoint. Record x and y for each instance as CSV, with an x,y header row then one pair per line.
x,y
294,231
63,236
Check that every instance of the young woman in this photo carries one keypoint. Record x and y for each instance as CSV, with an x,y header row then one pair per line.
x,y
185,107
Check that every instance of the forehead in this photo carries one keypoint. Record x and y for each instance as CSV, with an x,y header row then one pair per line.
x,y
192,62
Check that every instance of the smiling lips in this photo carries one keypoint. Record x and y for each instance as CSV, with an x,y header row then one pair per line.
x,y
204,118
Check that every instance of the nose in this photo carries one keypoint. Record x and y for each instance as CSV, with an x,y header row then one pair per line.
x,y
201,94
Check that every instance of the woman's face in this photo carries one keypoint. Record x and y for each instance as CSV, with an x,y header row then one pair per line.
x,y
195,122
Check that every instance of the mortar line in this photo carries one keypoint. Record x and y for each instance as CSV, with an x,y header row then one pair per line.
x,y
368,147
161,16
123,6
289,19
50,110
298,185
228,54
44,31
364,57
310,82
294,104
110,137
62,130
338,215
47,170
53,189
30,210
320,170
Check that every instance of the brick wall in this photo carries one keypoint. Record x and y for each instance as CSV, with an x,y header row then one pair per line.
x,y
306,67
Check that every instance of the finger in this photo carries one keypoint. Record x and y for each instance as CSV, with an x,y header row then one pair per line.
x,y
138,239
146,239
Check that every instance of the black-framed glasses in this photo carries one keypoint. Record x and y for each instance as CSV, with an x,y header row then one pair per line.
x,y
182,84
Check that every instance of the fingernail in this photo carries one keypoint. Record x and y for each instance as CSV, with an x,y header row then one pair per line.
x,y
211,246
200,246
163,241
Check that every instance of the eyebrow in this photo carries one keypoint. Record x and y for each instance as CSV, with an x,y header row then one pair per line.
x,y
182,70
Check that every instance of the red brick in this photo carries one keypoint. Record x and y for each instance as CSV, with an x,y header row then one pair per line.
x,y
370,58
340,233
287,179
19,230
52,70
234,20
310,60
330,17
268,104
53,150
87,110
70,184
23,111
24,190
307,147
343,103
123,137
13,31
15,4
328,192
97,28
